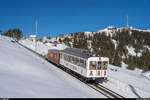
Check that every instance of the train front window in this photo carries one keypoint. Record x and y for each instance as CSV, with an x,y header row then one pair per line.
x,y
98,65
105,64
93,65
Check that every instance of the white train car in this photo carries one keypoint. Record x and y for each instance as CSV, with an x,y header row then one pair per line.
x,y
83,63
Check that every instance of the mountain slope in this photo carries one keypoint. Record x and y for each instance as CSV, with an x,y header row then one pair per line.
x,y
128,45
25,75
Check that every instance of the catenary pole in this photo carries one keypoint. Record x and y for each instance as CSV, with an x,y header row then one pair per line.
x,y
36,35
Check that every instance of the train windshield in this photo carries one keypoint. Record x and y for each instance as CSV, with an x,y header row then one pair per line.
x,y
98,65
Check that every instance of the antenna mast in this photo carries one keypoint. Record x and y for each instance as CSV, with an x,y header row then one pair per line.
x,y
127,22
36,35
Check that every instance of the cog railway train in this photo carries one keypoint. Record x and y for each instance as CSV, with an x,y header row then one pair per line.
x,y
80,62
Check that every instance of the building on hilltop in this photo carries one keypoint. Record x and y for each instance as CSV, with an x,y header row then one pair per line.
x,y
111,28
32,37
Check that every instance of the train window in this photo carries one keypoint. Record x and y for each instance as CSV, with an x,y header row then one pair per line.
x,y
55,57
73,60
93,65
84,63
65,57
61,55
81,62
78,61
99,65
69,59
51,55
105,63
104,66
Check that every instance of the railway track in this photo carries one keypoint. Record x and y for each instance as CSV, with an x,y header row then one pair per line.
x,y
105,91
101,89
114,94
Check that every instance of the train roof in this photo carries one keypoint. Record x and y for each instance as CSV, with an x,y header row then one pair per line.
x,y
78,52
54,50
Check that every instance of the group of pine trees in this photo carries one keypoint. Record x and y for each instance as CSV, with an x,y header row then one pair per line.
x,y
103,45
14,33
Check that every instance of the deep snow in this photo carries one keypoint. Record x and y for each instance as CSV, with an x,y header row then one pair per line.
x,y
132,84
25,75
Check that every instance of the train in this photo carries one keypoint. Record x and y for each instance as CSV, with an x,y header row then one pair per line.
x,y
79,62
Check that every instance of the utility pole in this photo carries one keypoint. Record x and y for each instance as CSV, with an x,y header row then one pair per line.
x,y
0,34
36,33
127,21
49,35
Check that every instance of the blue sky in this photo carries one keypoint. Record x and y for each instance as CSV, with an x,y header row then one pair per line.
x,y
66,16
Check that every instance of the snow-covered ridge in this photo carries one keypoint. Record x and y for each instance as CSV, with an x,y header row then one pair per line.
x,y
112,28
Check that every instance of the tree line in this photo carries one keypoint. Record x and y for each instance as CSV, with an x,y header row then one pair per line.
x,y
14,33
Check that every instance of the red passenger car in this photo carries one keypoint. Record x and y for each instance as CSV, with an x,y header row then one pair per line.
x,y
54,56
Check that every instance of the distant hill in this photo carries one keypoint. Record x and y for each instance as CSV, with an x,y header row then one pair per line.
x,y
122,45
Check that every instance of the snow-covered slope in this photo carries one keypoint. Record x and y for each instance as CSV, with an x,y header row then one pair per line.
x,y
147,75
25,75
132,84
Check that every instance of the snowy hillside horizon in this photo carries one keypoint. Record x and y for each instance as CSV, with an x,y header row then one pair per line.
x,y
125,44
